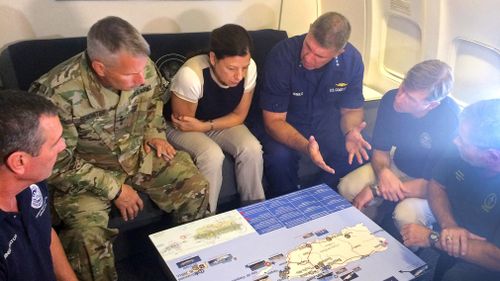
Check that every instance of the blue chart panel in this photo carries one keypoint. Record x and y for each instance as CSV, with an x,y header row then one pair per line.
x,y
294,209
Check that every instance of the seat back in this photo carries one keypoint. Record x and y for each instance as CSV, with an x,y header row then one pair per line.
x,y
23,62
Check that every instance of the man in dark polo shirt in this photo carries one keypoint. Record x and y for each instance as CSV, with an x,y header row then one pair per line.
x,y
312,104
30,139
420,121
464,196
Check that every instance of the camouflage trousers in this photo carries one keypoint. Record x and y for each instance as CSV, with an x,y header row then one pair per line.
x,y
175,186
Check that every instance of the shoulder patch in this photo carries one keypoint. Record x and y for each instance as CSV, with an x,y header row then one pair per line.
x,y
62,73
66,73
36,197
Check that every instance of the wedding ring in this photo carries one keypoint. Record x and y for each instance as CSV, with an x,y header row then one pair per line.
x,y
448,238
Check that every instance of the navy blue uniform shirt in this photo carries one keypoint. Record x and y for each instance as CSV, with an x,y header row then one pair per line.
x,y
25,238
311,98
419,142
474,195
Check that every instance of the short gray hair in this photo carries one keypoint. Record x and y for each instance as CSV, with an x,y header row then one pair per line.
x,y
110,35
432,76
483,119
331,30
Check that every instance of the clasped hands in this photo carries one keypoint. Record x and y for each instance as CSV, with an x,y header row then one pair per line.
x,y
189,124
452,240
390,188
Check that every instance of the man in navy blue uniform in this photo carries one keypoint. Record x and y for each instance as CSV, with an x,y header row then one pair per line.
x,y
30,139
464,196
312,98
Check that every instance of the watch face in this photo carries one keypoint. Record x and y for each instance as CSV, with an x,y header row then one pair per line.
x,y
433,237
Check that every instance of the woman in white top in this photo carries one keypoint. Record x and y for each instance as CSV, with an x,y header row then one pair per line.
x,y
211,96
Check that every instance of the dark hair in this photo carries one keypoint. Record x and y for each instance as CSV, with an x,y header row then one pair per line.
x,y
230,40
111,35
331,30
19,122
483,118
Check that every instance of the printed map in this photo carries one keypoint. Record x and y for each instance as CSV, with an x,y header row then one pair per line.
x,y
198,235
311,234
338,249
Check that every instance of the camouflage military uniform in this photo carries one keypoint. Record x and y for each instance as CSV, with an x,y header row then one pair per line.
x,y
105,133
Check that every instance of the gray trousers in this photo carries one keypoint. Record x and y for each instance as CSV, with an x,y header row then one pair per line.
x,y
207,151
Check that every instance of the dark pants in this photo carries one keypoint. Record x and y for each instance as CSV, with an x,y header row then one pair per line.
x,y
451,269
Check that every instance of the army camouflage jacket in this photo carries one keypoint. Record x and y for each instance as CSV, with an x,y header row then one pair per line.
x,y
104,131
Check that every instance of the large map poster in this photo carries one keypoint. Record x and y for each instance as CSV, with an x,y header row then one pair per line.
x,y
311,234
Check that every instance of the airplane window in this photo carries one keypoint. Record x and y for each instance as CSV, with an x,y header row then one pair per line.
x,y
477,71
403,40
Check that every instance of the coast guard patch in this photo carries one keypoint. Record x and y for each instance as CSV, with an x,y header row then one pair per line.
x,y
489,202
426,140
36,197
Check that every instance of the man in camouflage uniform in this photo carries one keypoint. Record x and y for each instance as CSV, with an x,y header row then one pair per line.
x,y
110,101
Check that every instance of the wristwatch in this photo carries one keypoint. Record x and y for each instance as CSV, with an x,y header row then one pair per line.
x,y
375,190
433,238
